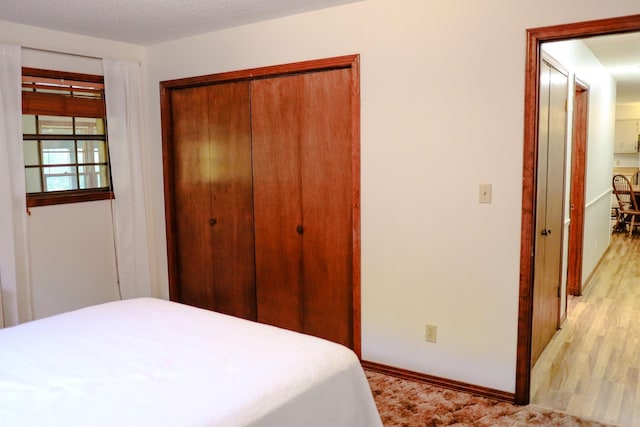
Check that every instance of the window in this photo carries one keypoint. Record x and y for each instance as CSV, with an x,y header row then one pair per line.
x,y
65,140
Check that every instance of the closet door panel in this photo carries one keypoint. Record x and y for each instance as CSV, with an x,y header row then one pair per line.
x,y
192,195
213,198
231,215
326,200
276,166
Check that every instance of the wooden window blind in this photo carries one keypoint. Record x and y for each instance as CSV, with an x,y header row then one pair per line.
x,y
62,94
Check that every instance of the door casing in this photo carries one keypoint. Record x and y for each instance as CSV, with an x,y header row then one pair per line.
x,y
535,38
577,197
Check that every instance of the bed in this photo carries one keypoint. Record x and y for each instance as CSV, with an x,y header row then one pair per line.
x,y
151,362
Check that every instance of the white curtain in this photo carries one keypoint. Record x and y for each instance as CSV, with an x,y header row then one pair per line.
x,y
123,96
15,281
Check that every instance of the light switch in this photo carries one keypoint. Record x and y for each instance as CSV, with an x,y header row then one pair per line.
x,y
485,193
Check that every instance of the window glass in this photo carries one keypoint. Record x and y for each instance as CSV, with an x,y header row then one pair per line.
x,y
93,176
60,178
85,94
29,123
53,125
89,126
92,152
54,90
31,153
33,180
58,152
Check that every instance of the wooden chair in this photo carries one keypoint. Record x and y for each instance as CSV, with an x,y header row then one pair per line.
x,y
635,178
628,212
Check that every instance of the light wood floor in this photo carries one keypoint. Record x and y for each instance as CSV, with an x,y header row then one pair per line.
x,y
591,367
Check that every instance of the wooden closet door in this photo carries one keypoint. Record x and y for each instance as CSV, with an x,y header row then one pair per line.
x,y
232,214
213,198
326,205
276,129
192,197
302,146
549,207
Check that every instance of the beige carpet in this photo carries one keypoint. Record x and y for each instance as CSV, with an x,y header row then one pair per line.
x,y
404,403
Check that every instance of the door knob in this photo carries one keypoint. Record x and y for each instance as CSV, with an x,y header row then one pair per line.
x,y
546,232
299,229
213,221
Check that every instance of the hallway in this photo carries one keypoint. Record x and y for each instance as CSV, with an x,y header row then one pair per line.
x,y
591,367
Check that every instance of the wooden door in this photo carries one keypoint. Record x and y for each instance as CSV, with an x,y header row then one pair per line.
x,y
326,202
212,198
193,197
302,147
276,105
549,207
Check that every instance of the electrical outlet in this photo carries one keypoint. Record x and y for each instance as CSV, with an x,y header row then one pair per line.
x,y
431,333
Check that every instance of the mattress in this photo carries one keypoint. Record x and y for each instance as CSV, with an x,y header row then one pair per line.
x,y
151,362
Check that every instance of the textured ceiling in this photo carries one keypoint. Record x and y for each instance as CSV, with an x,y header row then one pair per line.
x,y
147,22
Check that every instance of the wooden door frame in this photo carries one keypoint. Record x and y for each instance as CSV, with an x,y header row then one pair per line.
x,y
535,38
577,197
342,62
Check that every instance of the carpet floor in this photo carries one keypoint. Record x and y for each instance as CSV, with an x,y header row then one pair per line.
x,y
404,403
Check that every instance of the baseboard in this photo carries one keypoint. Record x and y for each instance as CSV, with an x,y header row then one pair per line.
x,y
440,382
593,272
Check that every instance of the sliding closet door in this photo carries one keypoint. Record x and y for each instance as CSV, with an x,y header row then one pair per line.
x,y
302,145
212,193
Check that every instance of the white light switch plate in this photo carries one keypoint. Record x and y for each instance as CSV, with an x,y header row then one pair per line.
x,y
485,193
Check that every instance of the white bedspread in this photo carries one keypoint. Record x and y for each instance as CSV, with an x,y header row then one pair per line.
x,y
150,362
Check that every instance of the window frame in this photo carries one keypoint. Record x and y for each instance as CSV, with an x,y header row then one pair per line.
x,y
38,103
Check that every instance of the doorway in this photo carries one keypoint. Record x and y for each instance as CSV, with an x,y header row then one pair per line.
x,y
535,38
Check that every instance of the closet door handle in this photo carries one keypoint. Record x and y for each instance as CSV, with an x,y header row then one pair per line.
x,y
300,229
213,221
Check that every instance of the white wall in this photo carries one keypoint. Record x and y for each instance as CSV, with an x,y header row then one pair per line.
x,y
442,86
71,246
72,262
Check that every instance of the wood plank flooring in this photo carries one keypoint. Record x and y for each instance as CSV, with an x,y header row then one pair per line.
x,y
591,367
